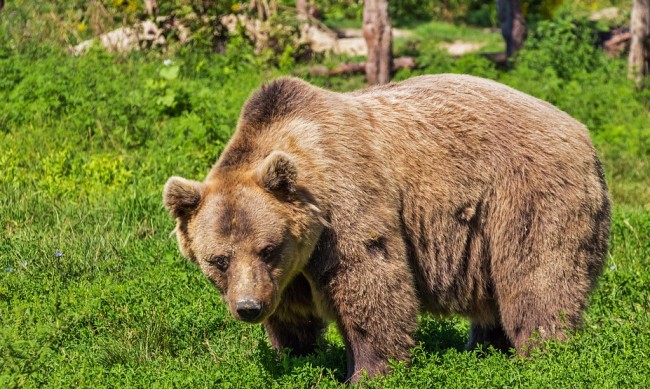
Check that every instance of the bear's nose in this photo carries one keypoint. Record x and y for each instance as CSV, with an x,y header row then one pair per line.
x,y
248,309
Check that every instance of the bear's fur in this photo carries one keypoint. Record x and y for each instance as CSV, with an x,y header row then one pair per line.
x,y
448,194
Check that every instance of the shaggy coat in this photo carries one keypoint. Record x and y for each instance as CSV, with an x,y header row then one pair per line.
x,y
448,194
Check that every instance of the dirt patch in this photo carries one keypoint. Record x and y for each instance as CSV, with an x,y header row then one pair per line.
x,y
350,41
458,48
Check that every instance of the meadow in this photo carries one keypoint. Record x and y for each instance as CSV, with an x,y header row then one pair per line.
x,y
93,290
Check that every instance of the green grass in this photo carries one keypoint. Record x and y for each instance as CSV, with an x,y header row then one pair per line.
x,y
437,32
87,144
428,35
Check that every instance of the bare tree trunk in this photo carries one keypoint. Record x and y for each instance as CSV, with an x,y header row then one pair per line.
x,y
264,8
259,7
513,25
378,33
302,7
151,6
306,10
640,29
2,4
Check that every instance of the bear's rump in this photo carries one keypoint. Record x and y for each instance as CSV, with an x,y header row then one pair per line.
x,y
467,252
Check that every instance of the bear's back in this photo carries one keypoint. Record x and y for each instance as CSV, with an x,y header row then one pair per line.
x,y
464,129
451,105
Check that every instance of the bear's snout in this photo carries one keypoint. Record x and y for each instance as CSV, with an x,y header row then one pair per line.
x,y
248,309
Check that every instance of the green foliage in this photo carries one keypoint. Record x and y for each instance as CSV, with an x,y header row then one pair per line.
x,y
562,65
565,47
540,9
340,10
283,44
584,8
28,22
425,41
481,13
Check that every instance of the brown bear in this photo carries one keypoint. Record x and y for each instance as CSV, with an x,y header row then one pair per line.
x,y
448,194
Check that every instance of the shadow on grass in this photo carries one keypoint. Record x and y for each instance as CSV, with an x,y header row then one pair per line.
x,y
434,335
438,335
329,357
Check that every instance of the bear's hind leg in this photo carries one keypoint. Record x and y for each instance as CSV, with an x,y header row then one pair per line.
x,y
531,318
545,256
541,297
487,336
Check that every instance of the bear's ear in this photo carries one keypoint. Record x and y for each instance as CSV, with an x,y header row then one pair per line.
x,y
181,196
278,173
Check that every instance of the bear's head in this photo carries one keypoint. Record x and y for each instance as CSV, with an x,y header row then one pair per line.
x,y
251,232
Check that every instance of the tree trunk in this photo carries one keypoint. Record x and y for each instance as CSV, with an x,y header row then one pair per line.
x,y
306,10
261,7
378,33
639,26
513,25
151,6
302,7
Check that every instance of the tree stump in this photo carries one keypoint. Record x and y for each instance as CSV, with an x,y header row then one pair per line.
x,y
639,28
513,25
378,33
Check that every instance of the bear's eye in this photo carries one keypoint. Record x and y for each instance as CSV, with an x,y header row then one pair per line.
x,y
221,262
267,253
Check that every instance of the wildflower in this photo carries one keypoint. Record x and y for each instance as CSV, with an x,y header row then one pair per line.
x,y
58,254
167,62
24,263
612,268
9,269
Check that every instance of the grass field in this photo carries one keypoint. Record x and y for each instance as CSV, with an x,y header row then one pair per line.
x,y
93,291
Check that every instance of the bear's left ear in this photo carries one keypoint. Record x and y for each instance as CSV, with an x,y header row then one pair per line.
x,y
278,173
181,196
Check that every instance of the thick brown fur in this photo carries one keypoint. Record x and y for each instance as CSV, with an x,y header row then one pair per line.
x,y
448,194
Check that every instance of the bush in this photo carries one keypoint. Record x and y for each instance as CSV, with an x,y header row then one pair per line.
x,y
564,46
561,64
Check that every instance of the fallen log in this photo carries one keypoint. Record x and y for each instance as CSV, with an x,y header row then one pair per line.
x,y
359,67
617,44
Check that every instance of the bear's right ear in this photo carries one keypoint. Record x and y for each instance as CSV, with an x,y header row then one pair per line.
x,y
278,174
182,196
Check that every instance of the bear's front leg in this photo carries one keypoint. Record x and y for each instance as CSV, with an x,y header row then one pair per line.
x,y
374,296
300,334
294,324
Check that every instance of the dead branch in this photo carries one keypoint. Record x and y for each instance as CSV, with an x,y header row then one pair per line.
x,y
617,44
